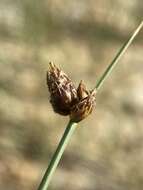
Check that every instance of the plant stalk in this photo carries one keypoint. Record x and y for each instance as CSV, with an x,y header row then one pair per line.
x,y
57,155
118,57
72,125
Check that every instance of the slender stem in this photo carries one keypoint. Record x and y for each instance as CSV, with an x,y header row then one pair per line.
x,y
57,155
72,126
118,57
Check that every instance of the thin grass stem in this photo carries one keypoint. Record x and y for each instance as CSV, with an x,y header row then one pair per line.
x,y
57,155
118,57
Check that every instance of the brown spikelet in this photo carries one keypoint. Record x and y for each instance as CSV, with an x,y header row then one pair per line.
x,y
63,93
85,104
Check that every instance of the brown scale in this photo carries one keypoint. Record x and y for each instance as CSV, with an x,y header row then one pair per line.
x,y
85,104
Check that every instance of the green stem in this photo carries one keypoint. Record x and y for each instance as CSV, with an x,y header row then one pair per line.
x,y
72,126
57,156
118,57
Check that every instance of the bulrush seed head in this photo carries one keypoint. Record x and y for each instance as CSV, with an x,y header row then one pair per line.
x,y
63,93
65,98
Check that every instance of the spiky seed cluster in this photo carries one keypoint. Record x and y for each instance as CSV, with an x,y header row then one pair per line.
x,y
63,93
65,98
84,105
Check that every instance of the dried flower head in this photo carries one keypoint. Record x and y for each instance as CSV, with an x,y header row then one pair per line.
x,y
85,104
63,93
65,98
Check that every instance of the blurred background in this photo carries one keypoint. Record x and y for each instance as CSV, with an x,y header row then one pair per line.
x,y
82,37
